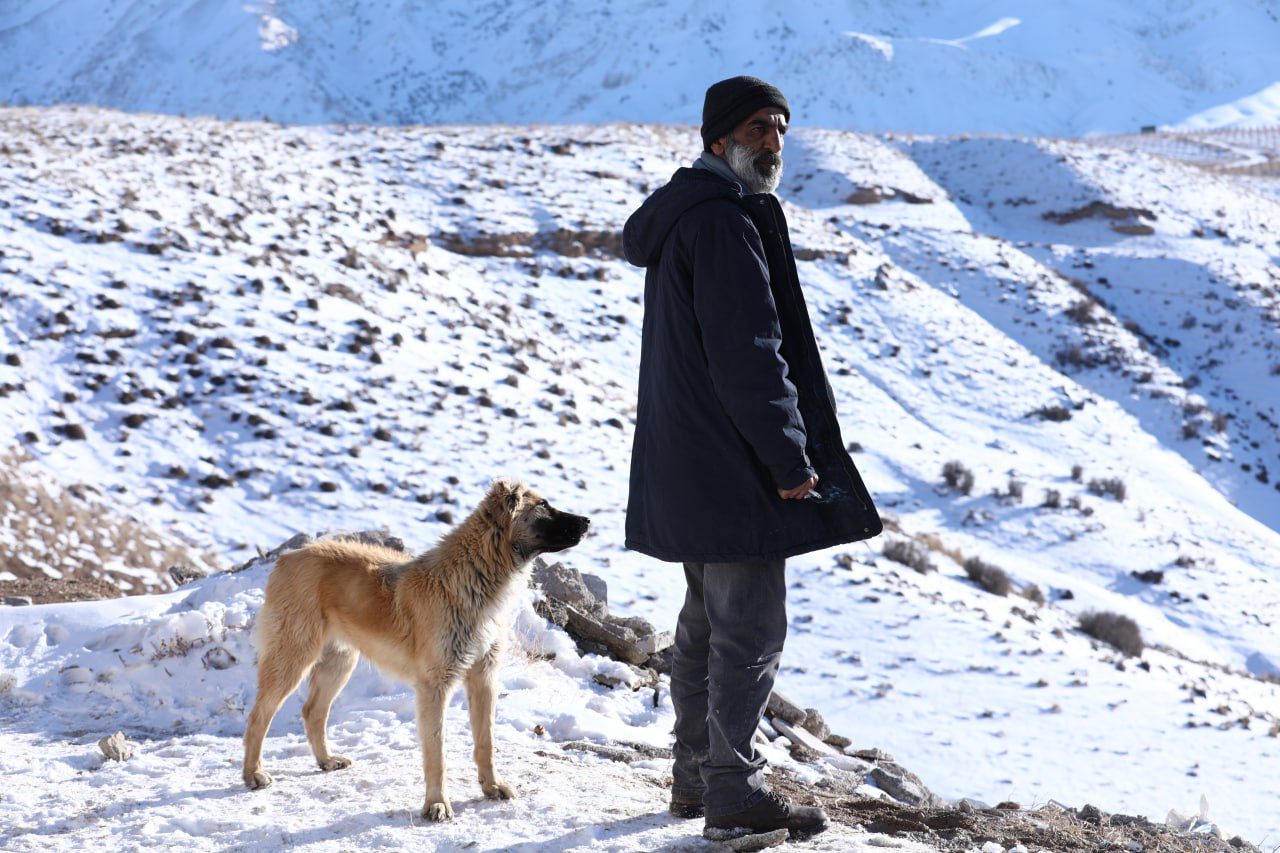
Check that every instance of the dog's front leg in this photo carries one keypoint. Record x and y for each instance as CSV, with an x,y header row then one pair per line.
x,y
432,700
482,696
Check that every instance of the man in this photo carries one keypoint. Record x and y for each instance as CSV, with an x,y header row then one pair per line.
x,y
738,461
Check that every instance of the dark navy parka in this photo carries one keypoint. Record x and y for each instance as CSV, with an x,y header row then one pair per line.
x,y
733,401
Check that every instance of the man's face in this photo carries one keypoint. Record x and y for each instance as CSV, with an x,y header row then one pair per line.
x,y
754,149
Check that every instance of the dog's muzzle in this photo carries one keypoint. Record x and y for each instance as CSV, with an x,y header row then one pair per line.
x,y
563,531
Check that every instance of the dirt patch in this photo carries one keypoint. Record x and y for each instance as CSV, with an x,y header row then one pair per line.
x,y
571,243
1047,828
42,590
1101,210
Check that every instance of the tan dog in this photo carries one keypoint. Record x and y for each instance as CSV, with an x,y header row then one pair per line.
x,y
433,620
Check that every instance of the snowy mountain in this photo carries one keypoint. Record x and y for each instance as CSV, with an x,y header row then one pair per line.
x,y
237,331
1050,68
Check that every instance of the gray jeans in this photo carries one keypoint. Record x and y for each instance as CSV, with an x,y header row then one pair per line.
x,y
728,642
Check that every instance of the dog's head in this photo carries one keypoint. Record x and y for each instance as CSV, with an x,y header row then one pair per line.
x,y
532,525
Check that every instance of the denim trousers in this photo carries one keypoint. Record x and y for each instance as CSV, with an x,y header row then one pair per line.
x,y
729,640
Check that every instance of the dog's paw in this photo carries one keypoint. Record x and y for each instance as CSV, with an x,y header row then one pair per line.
x,y
498,791
438,811
335,762
258,779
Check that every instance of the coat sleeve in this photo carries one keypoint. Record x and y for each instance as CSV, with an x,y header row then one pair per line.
x,y
741,338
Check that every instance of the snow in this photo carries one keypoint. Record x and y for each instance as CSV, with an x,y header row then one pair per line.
x,y
462,257
143,664
938,66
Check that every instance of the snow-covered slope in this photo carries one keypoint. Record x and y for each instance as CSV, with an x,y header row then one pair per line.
x,y
1050,68
262,330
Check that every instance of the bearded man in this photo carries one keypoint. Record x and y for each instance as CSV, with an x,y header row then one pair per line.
x,y
738,462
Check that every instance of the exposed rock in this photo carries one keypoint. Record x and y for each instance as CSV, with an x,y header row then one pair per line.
x,y
381,538
291,544
183,574
870,754
815,725
661,661
641,627
656,642
598,588
743,840
218,658
903,785
797,735
612,753
17,600
782,707
840,742
116,748
619,642
564,583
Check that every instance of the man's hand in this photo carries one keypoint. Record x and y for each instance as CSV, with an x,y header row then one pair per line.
x,y
799,491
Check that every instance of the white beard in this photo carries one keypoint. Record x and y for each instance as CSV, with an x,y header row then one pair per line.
x,y
742,162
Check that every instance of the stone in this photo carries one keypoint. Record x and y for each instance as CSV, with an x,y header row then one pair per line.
x,y
115,747
381,538
661,661
815,725
291,544
183,574
743,840
656,642
903,785
612,753
870,754
563,583
218,658
618,641
782,707
799,736
17,600
597,586
641,627
840,742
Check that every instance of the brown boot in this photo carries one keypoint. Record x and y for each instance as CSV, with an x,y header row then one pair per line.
x,y
686,807
772,812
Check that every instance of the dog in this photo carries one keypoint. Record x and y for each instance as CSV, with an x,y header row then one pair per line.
x,y
432,621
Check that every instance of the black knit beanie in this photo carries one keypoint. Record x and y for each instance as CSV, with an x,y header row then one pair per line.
x,y
731,102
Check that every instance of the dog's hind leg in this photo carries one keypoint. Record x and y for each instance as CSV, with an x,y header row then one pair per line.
x,y
327,680
433,698
281,668
482,699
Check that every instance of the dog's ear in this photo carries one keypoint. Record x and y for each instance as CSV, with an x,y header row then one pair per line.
x,y
506,494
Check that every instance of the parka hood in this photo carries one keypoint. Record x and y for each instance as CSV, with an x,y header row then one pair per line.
x,y
647,229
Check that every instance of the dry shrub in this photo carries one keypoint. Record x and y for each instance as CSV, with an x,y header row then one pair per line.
x,y
934,542
1115,630
990,577
1056,413
1032,592
73,532
958,477
911,554
1113,486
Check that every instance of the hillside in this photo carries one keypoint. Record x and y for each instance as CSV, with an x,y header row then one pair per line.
x,y
242,331
1052,68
